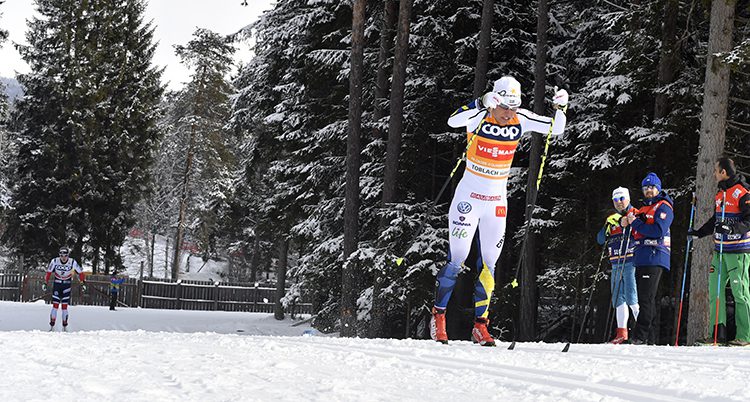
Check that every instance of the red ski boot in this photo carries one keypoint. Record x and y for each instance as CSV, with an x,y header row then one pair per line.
x,y
480,333
620,337
437,326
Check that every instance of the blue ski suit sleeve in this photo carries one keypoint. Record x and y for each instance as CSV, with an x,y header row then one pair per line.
x,y
601,237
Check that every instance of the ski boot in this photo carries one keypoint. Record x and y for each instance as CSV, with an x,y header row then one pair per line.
x,y
51,325
480,334
437,326
620,337
65,325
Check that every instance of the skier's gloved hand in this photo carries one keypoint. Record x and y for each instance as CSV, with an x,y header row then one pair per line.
x,y
614,219
491,100
692,234
84,287
560,100
44,287
723,228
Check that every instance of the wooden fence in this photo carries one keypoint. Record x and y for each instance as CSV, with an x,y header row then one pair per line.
x,y
155,293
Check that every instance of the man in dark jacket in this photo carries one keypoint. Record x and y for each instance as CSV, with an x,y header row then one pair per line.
x,y
650,228
732,241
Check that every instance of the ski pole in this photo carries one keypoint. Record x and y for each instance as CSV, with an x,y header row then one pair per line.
x,y
621,264
588,303
400,260
529,211
684,270
718,277
530,208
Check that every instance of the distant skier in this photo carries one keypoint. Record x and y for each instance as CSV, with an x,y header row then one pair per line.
x,y
114,290
652,250
494,125
734,233
64,268
622,279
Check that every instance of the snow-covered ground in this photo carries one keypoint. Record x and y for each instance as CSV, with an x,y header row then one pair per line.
x,y
164,355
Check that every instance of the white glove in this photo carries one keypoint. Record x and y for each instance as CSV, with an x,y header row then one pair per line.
x,y
560,100
491,100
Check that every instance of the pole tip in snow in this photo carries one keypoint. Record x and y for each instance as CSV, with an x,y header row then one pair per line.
x,y
514,283
399,261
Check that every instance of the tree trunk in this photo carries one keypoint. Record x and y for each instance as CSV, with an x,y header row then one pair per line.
x,y
351,207
151,258
711,146
393,148
483,49
183,206
528,303
387,33
254,260
668,57
396,122
278,309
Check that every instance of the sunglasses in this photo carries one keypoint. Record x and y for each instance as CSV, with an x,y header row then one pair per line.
x,y
506,107
63,254
619,199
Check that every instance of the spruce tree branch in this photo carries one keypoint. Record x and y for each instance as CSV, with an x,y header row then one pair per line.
x,y
738,123
738,128
737,155
738,100
615,5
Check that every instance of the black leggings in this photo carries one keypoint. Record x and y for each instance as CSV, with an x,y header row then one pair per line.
x,y
647,281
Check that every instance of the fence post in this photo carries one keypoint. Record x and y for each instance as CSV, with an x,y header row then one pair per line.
x,y
178,293
255,298
139,287
216,295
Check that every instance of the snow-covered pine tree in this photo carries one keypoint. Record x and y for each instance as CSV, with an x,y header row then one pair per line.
x,y
87,128
201,111
290,109
613,139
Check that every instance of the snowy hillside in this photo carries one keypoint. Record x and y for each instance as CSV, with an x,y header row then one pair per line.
x,y
148,355
134,252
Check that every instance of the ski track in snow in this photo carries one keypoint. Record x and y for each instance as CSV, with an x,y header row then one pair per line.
x,y
199,356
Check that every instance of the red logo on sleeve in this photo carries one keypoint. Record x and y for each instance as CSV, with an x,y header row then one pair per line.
x,y
501,211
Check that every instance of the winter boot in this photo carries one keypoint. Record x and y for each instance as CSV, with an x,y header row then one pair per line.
x,y
620,337
480,333
739,342
437,326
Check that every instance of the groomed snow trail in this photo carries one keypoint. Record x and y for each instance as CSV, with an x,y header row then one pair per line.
x,y
189,363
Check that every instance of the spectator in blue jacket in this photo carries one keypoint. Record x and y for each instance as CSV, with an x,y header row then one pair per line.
x,y
650,228
114,290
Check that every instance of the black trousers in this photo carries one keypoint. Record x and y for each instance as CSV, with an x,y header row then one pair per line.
x,y
112,300
647,281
